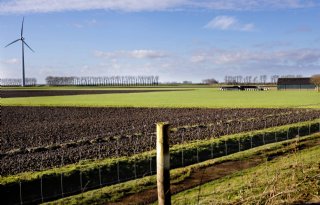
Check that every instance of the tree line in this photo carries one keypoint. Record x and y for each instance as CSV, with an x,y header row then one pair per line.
x,y
17,81
104,81
262,79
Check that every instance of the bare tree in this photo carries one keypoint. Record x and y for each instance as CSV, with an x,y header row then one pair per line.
x,y
226,78
263,79
239,79
274,79
315,79
210,81
255,80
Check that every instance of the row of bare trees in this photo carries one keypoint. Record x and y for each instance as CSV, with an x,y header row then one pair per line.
x,y
239,79
262,79
17,81
210,81
104,81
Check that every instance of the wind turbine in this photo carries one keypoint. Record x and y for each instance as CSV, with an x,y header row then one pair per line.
x,y
23,42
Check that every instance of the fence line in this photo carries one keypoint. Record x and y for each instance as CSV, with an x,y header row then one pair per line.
x,y
212,151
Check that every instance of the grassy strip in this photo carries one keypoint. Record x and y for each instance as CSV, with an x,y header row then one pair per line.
x,y
115,192
293,179
201,145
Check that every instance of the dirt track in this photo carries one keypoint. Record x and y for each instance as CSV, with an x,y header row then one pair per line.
x,y
39,93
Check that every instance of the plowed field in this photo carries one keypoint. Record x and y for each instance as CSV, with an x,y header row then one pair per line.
x,y
34,138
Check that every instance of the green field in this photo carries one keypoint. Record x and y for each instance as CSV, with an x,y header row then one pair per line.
x,y
193,97
293,179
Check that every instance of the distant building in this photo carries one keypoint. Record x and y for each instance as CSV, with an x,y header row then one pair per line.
x,y
295,83
243,87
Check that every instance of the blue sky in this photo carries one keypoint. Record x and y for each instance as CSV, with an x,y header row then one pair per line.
x,y
175,39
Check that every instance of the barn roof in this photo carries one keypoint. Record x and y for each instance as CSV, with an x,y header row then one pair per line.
x,y
294,81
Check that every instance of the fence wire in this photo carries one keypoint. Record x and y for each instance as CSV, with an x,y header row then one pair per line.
x,y
51,187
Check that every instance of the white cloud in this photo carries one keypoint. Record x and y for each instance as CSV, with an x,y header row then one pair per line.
x,y
198,58
43,6
148,54
254,4
11,61
201,64
296,57
222,22
228,23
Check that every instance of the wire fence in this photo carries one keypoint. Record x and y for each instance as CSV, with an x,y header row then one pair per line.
x,y
124,168
247,186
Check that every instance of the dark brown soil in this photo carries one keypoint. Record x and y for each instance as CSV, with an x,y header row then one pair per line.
x,y
35,138
38,93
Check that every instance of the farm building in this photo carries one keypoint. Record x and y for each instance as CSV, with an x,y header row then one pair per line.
x,y
295,83
243,87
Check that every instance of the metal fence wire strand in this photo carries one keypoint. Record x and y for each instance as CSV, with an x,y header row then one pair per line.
x,y
186,134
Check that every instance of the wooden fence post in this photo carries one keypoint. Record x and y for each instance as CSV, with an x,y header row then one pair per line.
x,y
163,164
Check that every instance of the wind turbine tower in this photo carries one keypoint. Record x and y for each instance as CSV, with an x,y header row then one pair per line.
x,y
23,42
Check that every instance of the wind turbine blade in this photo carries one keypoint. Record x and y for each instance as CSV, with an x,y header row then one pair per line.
x,y
22,27
12,42
28,46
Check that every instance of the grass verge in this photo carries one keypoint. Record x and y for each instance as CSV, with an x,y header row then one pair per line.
x,y
292,179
